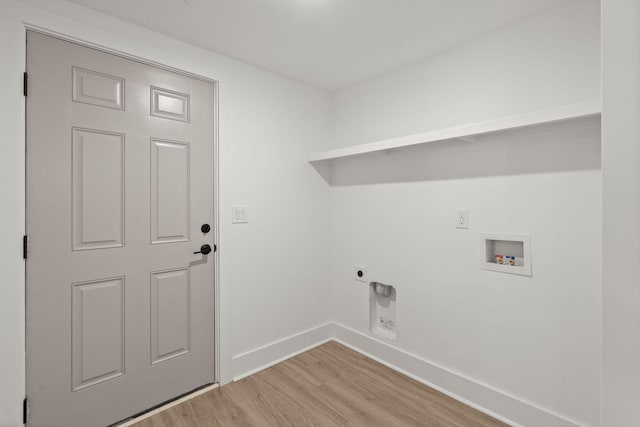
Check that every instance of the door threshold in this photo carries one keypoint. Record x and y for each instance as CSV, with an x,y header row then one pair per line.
x,y
164,406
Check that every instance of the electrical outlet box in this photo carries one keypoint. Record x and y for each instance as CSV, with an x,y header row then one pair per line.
x,y
360,274
462,218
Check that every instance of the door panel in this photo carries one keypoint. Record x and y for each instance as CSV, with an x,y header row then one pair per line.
x,y
92,87
98,189
170,104
120,161
170,314
169,191
98,332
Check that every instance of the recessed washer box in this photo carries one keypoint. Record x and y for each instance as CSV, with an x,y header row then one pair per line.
x,y
515,250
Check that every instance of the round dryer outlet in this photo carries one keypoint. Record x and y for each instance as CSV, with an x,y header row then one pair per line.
x,y
360,274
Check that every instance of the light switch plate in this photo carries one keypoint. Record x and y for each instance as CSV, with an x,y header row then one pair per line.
x,y
240,215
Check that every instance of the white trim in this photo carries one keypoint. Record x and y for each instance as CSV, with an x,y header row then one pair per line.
x,y
260,358
487,399
484,398
491,401
216,232
169,405
102,48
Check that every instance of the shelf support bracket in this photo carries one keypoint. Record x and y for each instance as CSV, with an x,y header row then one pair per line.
x,y
470,138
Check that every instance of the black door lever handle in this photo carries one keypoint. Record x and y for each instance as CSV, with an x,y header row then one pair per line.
x,y
204,250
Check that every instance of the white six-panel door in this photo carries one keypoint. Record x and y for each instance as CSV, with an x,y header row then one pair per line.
x,y
120,311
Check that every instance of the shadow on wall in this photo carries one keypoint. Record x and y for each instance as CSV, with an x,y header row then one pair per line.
x,y
555,147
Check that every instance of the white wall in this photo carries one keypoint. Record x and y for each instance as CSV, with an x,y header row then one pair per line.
x,y
548,60
621,170
536,339
272,269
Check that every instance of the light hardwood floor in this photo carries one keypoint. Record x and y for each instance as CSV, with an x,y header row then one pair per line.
x,y
330,385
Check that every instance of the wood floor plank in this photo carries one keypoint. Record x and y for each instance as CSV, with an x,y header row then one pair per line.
x,y
328,386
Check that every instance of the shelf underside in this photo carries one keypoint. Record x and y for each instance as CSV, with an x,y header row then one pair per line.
x,y
564,117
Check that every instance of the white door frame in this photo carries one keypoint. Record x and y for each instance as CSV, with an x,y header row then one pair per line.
x,y
215,163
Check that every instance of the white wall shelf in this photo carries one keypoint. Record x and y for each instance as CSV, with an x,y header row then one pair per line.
x,y
469,132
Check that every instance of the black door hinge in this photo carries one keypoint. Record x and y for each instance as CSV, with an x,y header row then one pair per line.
x,y
25,247
25,411
25,84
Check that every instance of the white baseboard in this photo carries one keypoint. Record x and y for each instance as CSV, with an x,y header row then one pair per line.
x,y
484,398
268,355
496,403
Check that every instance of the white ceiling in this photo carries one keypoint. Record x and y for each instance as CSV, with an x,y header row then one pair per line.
x,y
329,44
